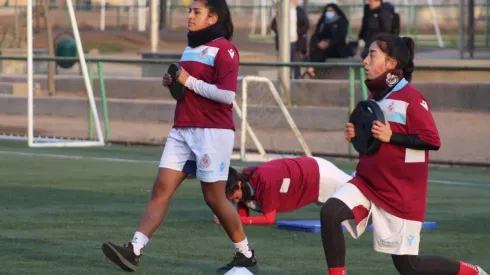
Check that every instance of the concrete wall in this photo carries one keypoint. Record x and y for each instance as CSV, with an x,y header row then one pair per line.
x,y
470,97
306,118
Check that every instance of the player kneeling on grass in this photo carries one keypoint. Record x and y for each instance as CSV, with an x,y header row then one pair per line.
x,y
203,131
390,186
282,185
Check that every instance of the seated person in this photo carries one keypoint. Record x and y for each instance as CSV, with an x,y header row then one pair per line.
x,y
329,39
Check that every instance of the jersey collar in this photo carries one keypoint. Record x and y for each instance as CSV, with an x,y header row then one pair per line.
x,y
400,85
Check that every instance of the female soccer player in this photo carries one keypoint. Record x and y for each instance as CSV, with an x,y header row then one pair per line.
x,y
282,185
203,134
390,186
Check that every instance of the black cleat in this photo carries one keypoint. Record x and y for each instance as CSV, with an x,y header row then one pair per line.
x,y
123,256
241,261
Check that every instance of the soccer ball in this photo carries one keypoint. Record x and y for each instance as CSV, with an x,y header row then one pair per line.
x,y
239,271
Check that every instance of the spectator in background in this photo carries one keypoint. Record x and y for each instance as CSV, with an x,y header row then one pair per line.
x,y
378,18
329,38
298,30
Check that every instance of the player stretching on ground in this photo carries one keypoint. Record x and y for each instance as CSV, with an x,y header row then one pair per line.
x,y
282,185
203,132
390,186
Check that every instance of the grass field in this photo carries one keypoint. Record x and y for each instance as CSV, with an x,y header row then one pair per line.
x,y
60,205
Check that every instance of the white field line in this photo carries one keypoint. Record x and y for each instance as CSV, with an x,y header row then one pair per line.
x,y
136,161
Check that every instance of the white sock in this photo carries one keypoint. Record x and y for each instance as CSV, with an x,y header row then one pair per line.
x,y
243,248
139,241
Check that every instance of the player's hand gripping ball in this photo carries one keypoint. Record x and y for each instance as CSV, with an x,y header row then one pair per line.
x,y
182,76
167,80
350,132
382,131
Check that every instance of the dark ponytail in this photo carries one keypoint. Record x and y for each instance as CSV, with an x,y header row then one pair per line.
x,y
220,8
408,70
400,48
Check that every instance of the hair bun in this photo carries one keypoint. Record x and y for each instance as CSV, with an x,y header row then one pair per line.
x,y
411,47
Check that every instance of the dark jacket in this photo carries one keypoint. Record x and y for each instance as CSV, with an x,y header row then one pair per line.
x,y
302,27
375,22
334,32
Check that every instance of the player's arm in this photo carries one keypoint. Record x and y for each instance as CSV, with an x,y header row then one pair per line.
x,y
226,64
422,129
266,219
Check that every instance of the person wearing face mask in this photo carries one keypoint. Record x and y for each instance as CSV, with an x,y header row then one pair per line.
x,y
202,135
390,186
329,38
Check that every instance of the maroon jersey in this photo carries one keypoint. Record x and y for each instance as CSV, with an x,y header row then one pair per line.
x,y
215,63
285,185
395,178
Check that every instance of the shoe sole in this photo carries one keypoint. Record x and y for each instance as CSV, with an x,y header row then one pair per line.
x,y
112,254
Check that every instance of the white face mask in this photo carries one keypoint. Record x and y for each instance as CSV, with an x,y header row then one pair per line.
x,y
329,15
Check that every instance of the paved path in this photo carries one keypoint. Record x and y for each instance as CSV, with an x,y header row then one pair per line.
x,y
464,136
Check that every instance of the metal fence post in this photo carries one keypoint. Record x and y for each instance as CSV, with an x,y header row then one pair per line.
x,y
103,99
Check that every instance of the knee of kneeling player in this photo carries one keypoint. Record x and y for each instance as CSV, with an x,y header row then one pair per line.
x,y
330,211
406,264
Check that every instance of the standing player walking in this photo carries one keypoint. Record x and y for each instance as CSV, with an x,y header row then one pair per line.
x,y
203,134
390,186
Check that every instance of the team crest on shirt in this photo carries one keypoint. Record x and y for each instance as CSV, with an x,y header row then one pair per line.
x,y
391,107
204,52
205,161
391,79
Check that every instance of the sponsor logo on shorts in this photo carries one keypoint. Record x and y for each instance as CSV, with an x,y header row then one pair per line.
x,y
410,239
389,243
205,172
222,167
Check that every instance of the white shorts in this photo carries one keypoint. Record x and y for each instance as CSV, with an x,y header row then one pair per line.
x,y
331,178
391,235
203,152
